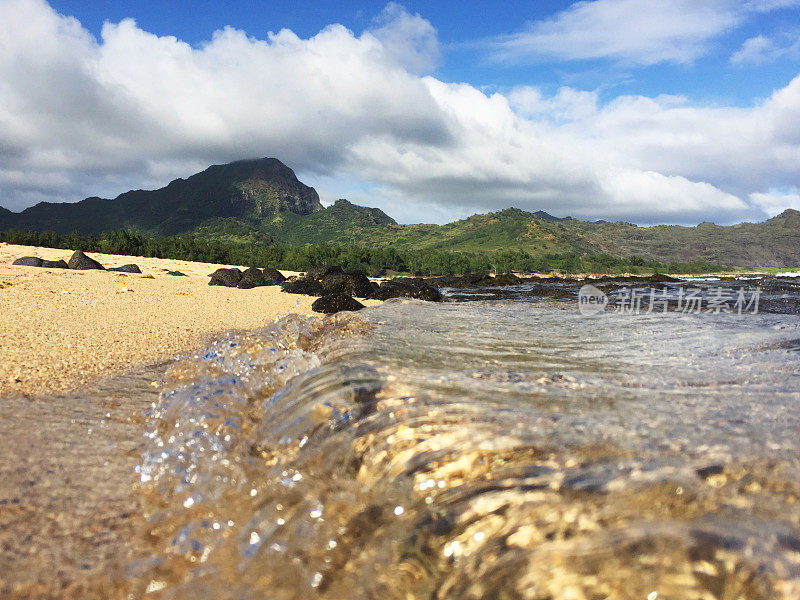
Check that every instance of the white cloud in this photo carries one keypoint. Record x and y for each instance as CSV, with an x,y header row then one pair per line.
x,y
760,49
631,31
82,117
409,39
775,202
567,105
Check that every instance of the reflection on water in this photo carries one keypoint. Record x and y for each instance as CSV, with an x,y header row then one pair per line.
x,y
479,450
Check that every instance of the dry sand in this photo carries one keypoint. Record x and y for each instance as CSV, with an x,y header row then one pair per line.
x,y
61,329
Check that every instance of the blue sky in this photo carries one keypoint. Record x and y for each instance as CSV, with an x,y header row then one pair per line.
x,y
644,110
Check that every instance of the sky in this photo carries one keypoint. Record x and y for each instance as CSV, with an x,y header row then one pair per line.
x,y
648,111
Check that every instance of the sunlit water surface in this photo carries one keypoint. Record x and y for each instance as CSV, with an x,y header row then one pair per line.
x,y
479,450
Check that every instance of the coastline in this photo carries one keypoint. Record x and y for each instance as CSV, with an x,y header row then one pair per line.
x,y
64,329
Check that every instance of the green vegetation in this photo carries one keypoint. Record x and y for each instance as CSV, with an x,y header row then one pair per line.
x,y
373,259
241,208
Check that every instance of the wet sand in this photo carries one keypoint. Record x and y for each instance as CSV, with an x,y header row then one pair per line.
x,y
62,329
81,354
69,520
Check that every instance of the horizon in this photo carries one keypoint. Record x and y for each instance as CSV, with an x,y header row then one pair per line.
x,y
541,213
676,112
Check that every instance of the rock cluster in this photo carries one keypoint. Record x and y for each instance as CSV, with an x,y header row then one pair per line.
x,y
246,280
336,288
321,281
334,281
407,287
33,261
78,261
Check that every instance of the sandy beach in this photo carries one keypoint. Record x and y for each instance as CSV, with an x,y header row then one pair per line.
x,y
81,351
62,329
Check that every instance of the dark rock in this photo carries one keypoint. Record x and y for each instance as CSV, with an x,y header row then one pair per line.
x,y
251,278
660,278
226,277
303,285
80,261
55,264
507,279
407,287
131,268
353,283
473,278
273,276
320,272
497,280
333,303
177,274
450,281
706,472
28,261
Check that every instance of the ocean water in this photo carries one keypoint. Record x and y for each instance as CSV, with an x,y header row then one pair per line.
x,y
508,447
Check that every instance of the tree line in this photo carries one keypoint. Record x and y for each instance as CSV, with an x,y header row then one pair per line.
x,y
375,260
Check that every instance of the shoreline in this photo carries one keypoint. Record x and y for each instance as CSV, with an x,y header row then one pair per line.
x,y
63,329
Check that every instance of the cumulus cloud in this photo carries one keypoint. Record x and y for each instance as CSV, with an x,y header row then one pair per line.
x,y
409,39
134,102
80,116
775,202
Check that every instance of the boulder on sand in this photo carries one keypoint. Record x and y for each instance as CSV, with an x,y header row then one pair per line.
x,y
55,264
80,261
333,303
28,261
177,274
251,278
320,272
226,277
352,283
273,276
131,268
303,285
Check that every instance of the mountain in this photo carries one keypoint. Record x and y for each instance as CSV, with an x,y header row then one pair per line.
x,y
246,189
548,217
773,243
262,201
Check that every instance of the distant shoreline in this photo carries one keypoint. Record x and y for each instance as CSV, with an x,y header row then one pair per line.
x,y
64,329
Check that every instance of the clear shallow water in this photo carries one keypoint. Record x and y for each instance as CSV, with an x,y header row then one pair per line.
x,y
480,450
